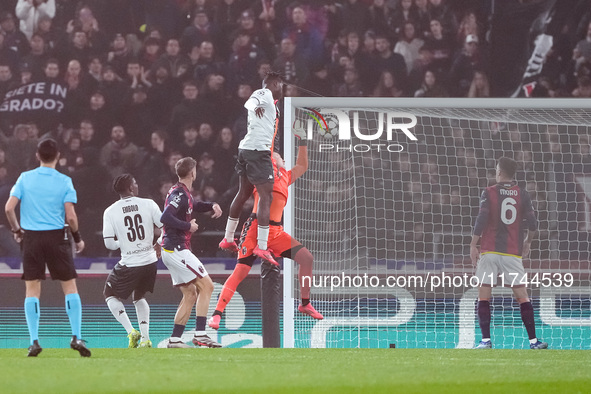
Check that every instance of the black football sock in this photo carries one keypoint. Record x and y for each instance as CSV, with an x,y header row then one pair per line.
x,y
484,318
305,301
178,330
527,316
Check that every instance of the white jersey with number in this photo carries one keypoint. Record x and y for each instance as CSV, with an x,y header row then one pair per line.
x,y
132,221
260,131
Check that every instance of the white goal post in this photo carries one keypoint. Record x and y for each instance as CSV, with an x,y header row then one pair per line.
x,y
387,208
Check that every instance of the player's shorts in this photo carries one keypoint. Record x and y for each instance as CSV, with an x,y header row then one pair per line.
x,y
51,248
492,265
256,165
123,281
183,265
279,242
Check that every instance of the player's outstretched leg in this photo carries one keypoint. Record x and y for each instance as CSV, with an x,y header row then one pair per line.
x,y
240,272
305,261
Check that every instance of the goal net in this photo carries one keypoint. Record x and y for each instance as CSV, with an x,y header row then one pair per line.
x,y
387,208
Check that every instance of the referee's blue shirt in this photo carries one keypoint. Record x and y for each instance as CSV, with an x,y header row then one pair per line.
x,y
43,193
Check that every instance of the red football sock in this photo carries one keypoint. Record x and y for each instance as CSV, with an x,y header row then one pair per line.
x,y
240,272
305,260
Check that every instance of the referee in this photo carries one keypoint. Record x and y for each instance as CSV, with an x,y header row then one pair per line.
x,y
47,200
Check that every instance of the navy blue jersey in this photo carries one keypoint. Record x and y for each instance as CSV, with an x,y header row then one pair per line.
x,y
506,211
176,217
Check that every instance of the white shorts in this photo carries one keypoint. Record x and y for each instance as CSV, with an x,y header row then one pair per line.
x,y
183,266
492,265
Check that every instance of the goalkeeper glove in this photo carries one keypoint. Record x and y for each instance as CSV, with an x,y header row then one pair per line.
x,y
299,132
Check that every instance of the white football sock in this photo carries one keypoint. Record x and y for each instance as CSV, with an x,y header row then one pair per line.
x,y
231,225
118,310
142,309
262,235
533,340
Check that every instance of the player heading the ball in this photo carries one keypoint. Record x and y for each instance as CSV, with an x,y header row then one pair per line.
x,y
254,166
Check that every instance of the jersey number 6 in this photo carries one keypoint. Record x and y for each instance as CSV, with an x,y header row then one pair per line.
x,y
508,209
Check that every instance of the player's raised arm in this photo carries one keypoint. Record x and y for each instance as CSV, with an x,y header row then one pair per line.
x,y
302,161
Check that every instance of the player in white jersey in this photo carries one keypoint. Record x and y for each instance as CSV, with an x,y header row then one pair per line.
x,y
254,166
129,224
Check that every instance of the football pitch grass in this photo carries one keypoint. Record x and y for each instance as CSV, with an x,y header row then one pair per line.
x,y
297,371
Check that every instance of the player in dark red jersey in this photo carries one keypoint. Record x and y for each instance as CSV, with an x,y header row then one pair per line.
x,y
280,242
186,271
506,214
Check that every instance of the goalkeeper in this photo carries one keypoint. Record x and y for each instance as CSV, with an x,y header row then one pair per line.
x,y
280,243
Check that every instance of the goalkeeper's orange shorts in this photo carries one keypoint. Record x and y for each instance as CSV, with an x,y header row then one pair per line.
x,y
278,242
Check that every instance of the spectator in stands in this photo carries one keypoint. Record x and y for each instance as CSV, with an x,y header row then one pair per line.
x,y
50,35
77,47
176,63
430,86
95,68
404,13
7,82
465,63
37,56
13,37
136,75
583,89
318,81
51,70
386,59
189,110
387,86
380,16
8,56
441,45
215,100
202,29
206,175
119,156
120,55
355,13
85,21
260,36
227,16
350,86
582,51
440,10
100,116
29,12
154,166
409,45
80,86
290,64
150,52
423,18
468,26
307,38
242,66
224,151
71,156
208,62
20,150
137,118
87,137
189,147
163,95
479,87
114,90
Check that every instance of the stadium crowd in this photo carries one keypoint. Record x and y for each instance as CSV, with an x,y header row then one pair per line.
x,y
151,82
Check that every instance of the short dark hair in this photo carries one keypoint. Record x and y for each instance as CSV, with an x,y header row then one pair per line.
x,y
508,166
47,150
122,183
272,75
184,166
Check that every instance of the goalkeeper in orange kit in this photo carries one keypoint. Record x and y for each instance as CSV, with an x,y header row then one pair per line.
x,y
280,243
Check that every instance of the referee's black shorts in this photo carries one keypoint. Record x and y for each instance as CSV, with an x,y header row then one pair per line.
x,y
51,248
123,281
256,165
